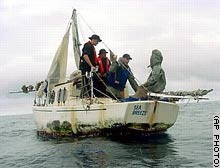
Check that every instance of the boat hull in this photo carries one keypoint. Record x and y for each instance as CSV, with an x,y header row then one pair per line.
x,y
84,119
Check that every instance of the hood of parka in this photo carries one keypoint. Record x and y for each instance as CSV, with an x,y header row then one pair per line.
x,y
156,58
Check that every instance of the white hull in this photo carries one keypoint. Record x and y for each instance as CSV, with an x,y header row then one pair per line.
x,y
81,118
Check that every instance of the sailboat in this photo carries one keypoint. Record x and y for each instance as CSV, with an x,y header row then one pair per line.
x,y
59,108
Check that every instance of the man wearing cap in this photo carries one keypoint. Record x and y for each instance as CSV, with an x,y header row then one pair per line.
x,y
103,67
119,73
88,61
156,81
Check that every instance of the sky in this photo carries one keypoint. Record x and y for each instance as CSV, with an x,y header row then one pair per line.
x,y
187,32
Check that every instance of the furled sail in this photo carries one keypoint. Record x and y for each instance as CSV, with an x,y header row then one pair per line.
x,y
57,72
75,36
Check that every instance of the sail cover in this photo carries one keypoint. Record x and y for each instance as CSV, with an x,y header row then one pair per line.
x,y
57,72
75,36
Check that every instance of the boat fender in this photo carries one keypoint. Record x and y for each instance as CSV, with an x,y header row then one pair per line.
x,y
52,96
59,96
64,95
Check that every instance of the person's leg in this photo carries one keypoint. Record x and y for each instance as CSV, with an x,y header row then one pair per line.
x,y
112,92
102,86
85,86
96,86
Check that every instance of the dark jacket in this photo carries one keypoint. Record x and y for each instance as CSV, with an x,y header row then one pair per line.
x,y
88,49
121,73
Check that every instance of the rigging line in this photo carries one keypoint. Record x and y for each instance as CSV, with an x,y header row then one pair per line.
x,y
98,90
81,30
86,92
93,30
85,86
69,23
101,92
130,73
86,23
106,86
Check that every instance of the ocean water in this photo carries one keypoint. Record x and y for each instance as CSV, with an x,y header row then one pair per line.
x,y
187,144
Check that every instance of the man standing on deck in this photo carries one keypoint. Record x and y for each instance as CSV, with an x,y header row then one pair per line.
x,y
88,63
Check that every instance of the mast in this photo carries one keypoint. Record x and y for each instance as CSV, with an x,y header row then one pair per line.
x,y
75,36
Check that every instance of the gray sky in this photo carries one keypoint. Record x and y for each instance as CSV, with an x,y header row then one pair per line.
x,y
186,31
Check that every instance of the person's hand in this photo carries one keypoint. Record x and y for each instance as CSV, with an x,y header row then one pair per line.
x,y
93,68
114,57
139,88
116,82
140,93
142,89
99,75
104,75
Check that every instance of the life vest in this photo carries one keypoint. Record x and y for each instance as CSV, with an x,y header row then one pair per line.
x,y
121,75
101,66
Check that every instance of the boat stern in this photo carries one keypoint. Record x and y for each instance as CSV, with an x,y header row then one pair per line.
x,y
151,116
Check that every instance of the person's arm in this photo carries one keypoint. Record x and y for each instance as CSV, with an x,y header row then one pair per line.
x,y
114,64
86,58
132,82
154,76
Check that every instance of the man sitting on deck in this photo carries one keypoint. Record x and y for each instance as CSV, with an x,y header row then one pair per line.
x,y
156,81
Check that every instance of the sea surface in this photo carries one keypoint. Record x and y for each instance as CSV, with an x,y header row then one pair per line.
x,y
187,144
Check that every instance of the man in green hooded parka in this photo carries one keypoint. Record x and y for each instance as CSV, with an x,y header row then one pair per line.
x,y
156,81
